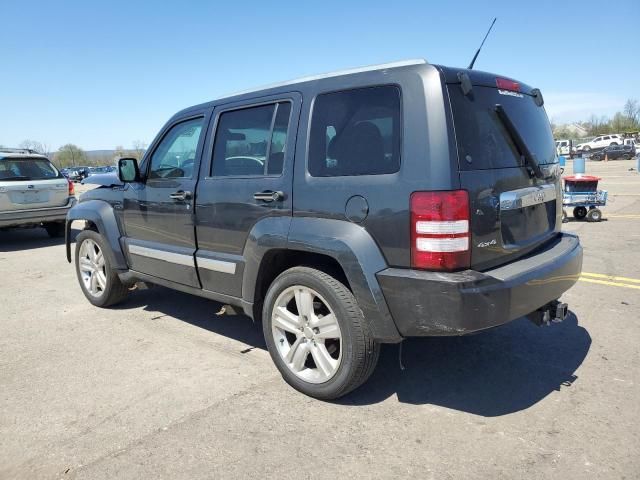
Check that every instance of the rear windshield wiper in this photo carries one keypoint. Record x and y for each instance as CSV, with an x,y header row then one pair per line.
x,y
518,141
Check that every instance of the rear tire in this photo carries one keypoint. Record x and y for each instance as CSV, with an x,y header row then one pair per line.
x,y
586,148
594,215
55,229
98,280
579,213
316,334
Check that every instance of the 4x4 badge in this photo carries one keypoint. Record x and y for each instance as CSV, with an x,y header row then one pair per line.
x,y
487,244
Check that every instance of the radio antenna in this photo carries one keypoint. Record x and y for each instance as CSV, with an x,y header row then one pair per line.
x,y
470,67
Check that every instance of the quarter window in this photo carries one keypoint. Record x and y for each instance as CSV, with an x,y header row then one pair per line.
x,y
251,141
176,154
355,132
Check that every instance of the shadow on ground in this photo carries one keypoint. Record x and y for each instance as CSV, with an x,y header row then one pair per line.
x,y
19,239
500,371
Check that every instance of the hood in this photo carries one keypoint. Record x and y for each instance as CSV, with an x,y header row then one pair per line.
x,y
103,179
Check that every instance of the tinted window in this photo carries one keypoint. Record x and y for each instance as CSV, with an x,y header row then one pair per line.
x,y
27,169
355,132
483,141
176,154
251,141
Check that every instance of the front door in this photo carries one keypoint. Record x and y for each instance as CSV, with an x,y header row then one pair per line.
x,y
246,183
158,211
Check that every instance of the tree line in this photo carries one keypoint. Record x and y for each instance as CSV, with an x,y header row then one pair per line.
x,y
71,155
628,120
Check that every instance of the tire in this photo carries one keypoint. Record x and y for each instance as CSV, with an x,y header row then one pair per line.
x,y
101,290
55,229
594,215
626,157
579,212
292,341
596,157
586,148
613,143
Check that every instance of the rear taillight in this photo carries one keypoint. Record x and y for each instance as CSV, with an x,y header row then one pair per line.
x,y
440,230
72,188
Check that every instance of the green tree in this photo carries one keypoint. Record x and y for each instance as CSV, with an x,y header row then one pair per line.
x,y
71,155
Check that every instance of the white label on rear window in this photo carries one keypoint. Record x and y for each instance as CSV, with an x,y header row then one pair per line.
x,y
510,93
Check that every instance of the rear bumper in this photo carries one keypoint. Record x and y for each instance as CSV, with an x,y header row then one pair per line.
x,y
35,216
431,303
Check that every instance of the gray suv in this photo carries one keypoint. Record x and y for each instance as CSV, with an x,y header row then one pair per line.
x,y
344,211
33,192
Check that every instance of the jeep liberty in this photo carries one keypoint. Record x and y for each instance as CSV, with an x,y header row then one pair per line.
x,y
344,211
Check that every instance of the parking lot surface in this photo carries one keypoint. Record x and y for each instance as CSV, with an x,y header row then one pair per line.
x,y
162,387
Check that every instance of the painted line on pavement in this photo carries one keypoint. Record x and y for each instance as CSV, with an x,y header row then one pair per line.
x,y
611,277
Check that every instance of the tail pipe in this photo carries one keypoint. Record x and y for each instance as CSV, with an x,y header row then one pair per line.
x,y
552,312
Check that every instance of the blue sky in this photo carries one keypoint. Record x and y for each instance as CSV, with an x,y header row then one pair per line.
x,y
101,74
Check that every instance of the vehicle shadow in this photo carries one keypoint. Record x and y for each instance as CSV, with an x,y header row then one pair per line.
x,y
15,240
196,311
497,372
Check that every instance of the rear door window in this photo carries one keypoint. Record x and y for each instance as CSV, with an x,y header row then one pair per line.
x,y
355,132
483,142
251,141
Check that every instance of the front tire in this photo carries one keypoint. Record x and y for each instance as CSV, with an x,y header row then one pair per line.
x,y
316,334
99,281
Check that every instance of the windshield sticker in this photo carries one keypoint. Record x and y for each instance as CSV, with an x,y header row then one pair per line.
x,y
510,93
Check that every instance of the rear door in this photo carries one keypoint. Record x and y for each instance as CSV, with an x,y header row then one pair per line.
x,y
512,211
247,178
31,183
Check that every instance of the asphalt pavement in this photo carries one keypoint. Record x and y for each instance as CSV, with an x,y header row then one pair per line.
x,y
162,387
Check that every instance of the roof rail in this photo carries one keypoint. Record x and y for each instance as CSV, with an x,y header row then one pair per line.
x,y
17,150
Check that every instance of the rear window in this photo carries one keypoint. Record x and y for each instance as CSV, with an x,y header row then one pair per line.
x,y
355,132
27,169
483,142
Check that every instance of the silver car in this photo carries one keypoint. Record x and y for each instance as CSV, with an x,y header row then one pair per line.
x,y
33,193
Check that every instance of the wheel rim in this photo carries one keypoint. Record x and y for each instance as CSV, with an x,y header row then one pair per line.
x,y
92,268
306,334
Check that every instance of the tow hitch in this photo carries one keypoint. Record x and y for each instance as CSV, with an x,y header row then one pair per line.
x,y
552,312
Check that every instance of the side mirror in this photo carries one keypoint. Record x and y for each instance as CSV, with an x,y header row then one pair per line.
x,y
128,170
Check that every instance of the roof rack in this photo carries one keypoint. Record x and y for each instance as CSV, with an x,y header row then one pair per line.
x,y
17,150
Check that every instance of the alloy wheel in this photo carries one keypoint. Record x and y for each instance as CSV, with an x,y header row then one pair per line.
x,y
306,334
92,268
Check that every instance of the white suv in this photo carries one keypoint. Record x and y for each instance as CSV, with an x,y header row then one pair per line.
x,y
33,192
600,142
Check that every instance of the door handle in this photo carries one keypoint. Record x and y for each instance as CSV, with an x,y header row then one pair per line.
x,y
269,196
180,195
